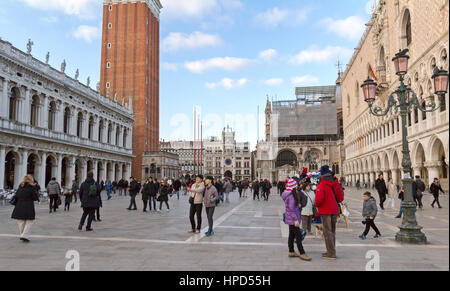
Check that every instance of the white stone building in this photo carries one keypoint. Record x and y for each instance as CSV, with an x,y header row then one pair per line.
x,y
51,125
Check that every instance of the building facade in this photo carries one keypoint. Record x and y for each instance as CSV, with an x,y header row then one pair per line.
x,y
51,125
373,144
302,133
226,157
161,165
130,67
186,153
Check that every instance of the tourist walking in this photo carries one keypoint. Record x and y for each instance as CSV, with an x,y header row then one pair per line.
x,y
369,213
392,193
89,197
401,197
196,200
153,192
418,187
100,205
24,211
256,190
177,188
68,197
75,188
245,185
209,199
435,187
146,195
329,195
227,188
109,188
163,197
380,185
293,220
310,209
133,190
54,190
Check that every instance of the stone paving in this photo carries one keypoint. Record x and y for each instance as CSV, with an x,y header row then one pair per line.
x,y
249,236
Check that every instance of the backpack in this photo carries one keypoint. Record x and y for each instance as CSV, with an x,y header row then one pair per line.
x,y
421,185
92,190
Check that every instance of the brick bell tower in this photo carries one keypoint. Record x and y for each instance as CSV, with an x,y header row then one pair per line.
x,y
130,67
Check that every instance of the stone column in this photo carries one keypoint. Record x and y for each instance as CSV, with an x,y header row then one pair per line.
x,y
113,134
95,129
59,169
372,178
121,173
104,176
59,126
395,176
23,167
385,175
416,170
44,115
4,109
366,178
25,116
42,167
95,170
120,143
85,127
2,167
73,122
433,171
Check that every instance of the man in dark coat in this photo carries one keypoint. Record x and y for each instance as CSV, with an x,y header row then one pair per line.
x,y
380,185
133,190
418,186
146,195
435,187
89,197
255,190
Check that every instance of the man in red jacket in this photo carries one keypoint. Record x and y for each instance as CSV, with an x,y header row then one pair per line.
x,y
328,196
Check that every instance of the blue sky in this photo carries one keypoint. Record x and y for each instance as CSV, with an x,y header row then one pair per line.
x,y
224,56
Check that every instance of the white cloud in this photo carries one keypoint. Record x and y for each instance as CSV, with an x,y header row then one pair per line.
x,y
275,16
196,8
316,55
304,80
226,63
228,83
49,19
86,33
177,40
274,82
169,67
351,27
81,8
268,55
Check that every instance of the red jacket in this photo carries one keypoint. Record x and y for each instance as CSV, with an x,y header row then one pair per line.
x,y
325,200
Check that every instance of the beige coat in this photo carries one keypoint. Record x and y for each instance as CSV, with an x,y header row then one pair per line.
x,y
392,190
197,192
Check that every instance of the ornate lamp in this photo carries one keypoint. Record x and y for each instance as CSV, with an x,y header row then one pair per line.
x,y
369,88
401,62
440,78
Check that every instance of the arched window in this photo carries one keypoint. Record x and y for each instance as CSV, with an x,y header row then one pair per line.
x,y
67,120
109,133
117,135
52,115
100,130
34,111
13,101
286,157
125,137
91,128
406,30
80,124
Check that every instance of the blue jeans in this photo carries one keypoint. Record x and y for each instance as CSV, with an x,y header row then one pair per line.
x,y
108,192
401,209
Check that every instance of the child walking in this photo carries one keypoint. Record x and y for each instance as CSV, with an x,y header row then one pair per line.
x,y
293,219
369,213
68,199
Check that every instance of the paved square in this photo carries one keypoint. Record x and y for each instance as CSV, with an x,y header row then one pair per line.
x,y
249,236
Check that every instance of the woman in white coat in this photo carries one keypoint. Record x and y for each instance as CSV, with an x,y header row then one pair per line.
x,y
308,211
392,193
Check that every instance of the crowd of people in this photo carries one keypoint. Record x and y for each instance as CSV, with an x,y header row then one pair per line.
x,y
305,201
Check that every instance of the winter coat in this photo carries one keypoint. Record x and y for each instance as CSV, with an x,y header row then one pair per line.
x,y
325,199
256,187
380,185
177,185
197,191
146,191
308,209
24,208
75,188
435,188
370,208
210,196
219,186
292,213
134,188
164,193
153,189
392,190
86,200
53,188
227,187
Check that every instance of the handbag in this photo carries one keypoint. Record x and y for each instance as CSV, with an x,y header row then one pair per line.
x,y
192,199
314,208
58,201
13,200
339,204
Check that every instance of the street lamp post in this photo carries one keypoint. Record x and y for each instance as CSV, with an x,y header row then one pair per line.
x,y
405,101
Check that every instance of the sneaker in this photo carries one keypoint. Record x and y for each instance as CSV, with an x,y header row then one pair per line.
x,y
80,227
362,236
293,255
25,240
377,235
329,257
324,255
304,257
398,216
168,210
89,229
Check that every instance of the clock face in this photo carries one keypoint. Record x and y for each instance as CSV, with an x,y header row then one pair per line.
x,y
228,162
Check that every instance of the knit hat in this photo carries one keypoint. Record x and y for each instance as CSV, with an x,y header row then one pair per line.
x,y
325,170
291,185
